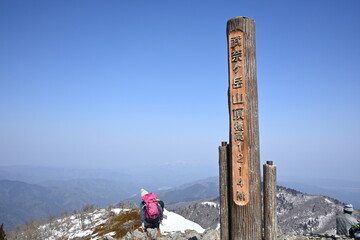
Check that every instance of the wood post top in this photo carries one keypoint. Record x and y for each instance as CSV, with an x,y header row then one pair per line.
x,y
239,23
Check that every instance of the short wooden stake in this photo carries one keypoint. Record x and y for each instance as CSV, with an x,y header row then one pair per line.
x,y
270,205
224,179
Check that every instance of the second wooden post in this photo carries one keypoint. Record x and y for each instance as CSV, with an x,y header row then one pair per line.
x,y
270,204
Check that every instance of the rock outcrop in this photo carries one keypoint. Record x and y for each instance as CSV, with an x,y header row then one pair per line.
x,y
2,232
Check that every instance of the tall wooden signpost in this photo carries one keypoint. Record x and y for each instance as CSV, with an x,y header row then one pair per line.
x,y
243,215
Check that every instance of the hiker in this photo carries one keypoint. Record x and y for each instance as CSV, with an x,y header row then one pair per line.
x,y
345,221
151,211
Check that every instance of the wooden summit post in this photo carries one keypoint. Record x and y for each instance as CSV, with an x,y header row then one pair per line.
x,y
244,187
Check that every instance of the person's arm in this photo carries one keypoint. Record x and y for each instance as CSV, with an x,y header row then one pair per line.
x,y
162,204
142,213
161,212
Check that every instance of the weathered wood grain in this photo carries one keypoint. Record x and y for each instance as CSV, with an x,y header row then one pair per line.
x,y
224,196
246,221
270,204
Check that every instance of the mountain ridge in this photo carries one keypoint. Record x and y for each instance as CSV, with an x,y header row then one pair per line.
x,y
55,197
99,223
297,212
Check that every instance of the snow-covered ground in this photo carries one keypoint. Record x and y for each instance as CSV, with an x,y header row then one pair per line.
x,y
73,227
76,227
175,222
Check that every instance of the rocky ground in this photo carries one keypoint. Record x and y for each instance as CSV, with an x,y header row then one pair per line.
x,y
188,235
215,235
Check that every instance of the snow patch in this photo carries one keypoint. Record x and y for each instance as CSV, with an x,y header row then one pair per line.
x,y
110,234
211,204
218,226
174,222
117,211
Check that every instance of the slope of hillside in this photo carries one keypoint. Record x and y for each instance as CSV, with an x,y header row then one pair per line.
x,y
297,213
305,213
123,224
98,224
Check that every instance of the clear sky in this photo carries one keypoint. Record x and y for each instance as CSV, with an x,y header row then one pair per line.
x,y
126,84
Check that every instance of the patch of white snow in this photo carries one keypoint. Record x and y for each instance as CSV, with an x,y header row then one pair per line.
x,y
211,204
119,210
175,222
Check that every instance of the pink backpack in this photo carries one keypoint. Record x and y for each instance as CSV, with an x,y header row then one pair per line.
x,y
151,208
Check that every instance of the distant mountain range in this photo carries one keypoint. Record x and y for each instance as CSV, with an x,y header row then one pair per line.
x,y
70,190
347,191
202,189
21,202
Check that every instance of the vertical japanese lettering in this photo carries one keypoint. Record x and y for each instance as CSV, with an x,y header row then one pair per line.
x,y
238,121
239,136
238,98
236,56
237,82
236,68
239,126
238,114
235,41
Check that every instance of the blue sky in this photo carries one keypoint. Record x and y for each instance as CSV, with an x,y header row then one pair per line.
x,y
121,84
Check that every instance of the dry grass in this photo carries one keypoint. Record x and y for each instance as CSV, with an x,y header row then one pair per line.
x,y
120,224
